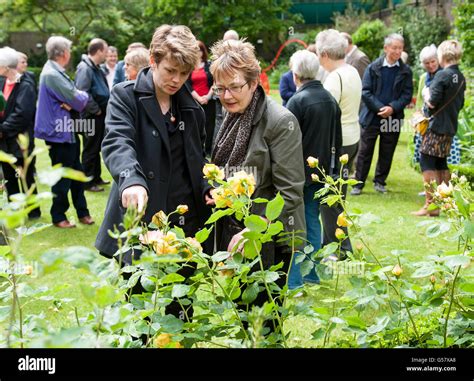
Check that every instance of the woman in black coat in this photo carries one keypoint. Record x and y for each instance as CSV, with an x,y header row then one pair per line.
x,y
153,144
445,101
17,118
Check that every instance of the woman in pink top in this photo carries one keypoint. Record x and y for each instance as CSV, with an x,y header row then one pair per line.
x,y
200,82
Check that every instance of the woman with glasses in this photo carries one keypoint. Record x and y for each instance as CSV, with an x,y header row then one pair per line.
x,y
260,136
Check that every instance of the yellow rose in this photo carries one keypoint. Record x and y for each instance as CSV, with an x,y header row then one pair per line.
x,y
160,219
151,237
162,340
359,246
445,190
28,270
166,244
344,159
343,221
242,183
312,162
397,270
194,243
315,177
222,197
213,172
340,235
181,209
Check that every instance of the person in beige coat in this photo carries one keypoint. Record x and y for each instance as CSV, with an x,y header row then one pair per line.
x,y
355,57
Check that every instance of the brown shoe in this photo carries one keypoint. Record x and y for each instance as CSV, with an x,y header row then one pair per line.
x,y
64,225
87,220
95,188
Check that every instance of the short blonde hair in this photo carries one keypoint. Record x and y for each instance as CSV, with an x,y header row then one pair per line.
x,y
450,51
138,58
178,42
231,56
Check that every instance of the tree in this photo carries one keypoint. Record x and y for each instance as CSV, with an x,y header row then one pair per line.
x,y
369,38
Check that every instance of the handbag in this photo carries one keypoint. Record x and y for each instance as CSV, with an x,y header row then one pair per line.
x,y
420,122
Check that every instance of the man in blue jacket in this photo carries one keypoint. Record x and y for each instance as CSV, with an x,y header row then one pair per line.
x,y
90,78
387,88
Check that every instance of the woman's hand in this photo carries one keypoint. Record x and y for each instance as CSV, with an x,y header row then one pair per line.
x,y
239,237
208,198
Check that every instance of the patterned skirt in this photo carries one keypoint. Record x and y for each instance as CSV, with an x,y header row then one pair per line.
x,y
454,154
436,145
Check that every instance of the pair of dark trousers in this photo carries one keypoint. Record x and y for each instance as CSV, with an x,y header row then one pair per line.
x,y
67,155
388,143
14,184
92,145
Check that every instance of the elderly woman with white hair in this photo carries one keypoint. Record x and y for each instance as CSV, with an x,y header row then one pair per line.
x,y
429,62
445,100
319,117
17,118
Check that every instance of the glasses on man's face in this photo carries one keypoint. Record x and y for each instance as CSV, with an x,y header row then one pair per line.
x,y
220,90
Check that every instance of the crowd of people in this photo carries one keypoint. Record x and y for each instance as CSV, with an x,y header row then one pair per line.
x,y
160,114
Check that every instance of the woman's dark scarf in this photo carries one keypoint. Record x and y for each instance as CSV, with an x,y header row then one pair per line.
x,y
233,138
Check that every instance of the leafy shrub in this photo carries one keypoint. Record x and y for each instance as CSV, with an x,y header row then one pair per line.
x,y
369,38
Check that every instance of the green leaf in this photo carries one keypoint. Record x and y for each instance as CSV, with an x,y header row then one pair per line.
x,y
250,293
274,207
453,261
332,199
180,290
469,229
337,320
318,334
424,271
220,256
172,278
203,234
382,322
255,223
463,205
271,276
73,174
356,322
250,251
4,250
218,214
275,228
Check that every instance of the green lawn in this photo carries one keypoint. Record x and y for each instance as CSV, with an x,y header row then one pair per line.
x,y
397,231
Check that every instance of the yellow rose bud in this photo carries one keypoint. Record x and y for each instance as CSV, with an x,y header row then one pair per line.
x,y
315,177
340,235
181,209
359,246
312,162
213,172
162,340
227,273
397,270
343,221
433,279
160,219
28,270
344,159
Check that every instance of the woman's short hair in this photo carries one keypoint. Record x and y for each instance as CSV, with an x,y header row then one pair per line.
x,y
138,58
231,56
428,52
112,49
178,42
9,57
203,49
332,43
56,46
304,64
450,51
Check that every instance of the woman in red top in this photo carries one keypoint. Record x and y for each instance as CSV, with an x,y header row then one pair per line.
x,y
200,82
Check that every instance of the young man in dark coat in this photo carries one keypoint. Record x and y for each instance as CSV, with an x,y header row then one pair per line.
x,y
153,145
90,78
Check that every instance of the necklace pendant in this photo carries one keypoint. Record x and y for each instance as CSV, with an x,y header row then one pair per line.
x,y
173,119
